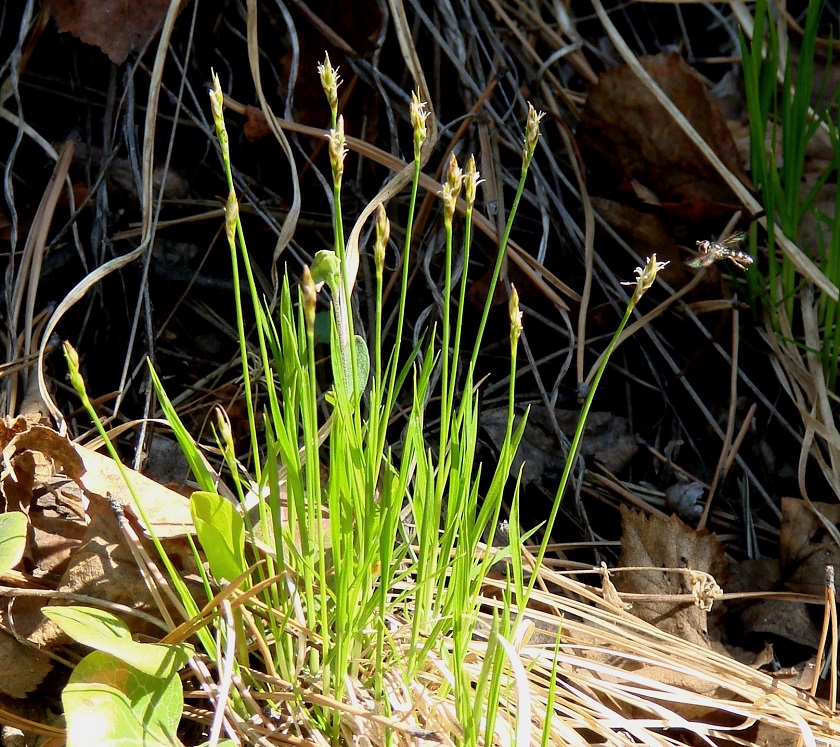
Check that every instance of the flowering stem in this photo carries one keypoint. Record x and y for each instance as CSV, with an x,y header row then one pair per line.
x,y
644,280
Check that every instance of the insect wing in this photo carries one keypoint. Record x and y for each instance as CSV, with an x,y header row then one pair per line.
x,y
704,260
735,240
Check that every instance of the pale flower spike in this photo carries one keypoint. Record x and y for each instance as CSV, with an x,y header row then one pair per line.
x,y
419,115
330,81
471,181
217,106
645,277
452,187
383,234
532,134
338,150
308,291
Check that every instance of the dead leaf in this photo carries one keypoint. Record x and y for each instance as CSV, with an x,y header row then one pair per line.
x,y
168,511
54,540
626,136
805,545
103,567
667,543
605,438
117,27
23,667
766,619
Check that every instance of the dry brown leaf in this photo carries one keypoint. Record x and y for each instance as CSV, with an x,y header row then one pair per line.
x,y
103,567
168,511
117,27
625,134
767,618
54,540
23,667
805,546
667,543
606,437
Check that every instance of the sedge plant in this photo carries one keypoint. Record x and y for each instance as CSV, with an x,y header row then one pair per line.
x,y
363,566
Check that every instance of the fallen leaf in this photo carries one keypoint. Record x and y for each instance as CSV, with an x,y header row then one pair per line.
x,y
96,474
117,27
667,544
54,540
627,137
23,667
765,620
606,438
805,545
103,567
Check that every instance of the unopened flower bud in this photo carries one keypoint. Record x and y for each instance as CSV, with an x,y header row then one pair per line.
x,y
224,431
515,315
72,358
217,106
307,287
231,216
383,233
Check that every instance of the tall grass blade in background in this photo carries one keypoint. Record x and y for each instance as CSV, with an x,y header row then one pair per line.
x,y
782,127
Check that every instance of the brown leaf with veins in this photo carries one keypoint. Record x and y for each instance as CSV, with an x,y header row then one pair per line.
x,y
667,543
117,27
99,475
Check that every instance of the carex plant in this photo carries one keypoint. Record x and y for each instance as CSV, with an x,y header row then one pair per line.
x,y
348,565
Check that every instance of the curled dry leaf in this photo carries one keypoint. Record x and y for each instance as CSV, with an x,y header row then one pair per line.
x,y
670,544
98,475
102,566
23,667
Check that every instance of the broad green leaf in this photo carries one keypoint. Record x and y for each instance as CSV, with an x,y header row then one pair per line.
x,y
13,527
110,704
221,531
105,632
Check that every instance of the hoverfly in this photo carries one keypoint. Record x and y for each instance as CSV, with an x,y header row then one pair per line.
x,y
711,251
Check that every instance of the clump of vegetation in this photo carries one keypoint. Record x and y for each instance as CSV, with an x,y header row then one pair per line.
x,y
344,573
